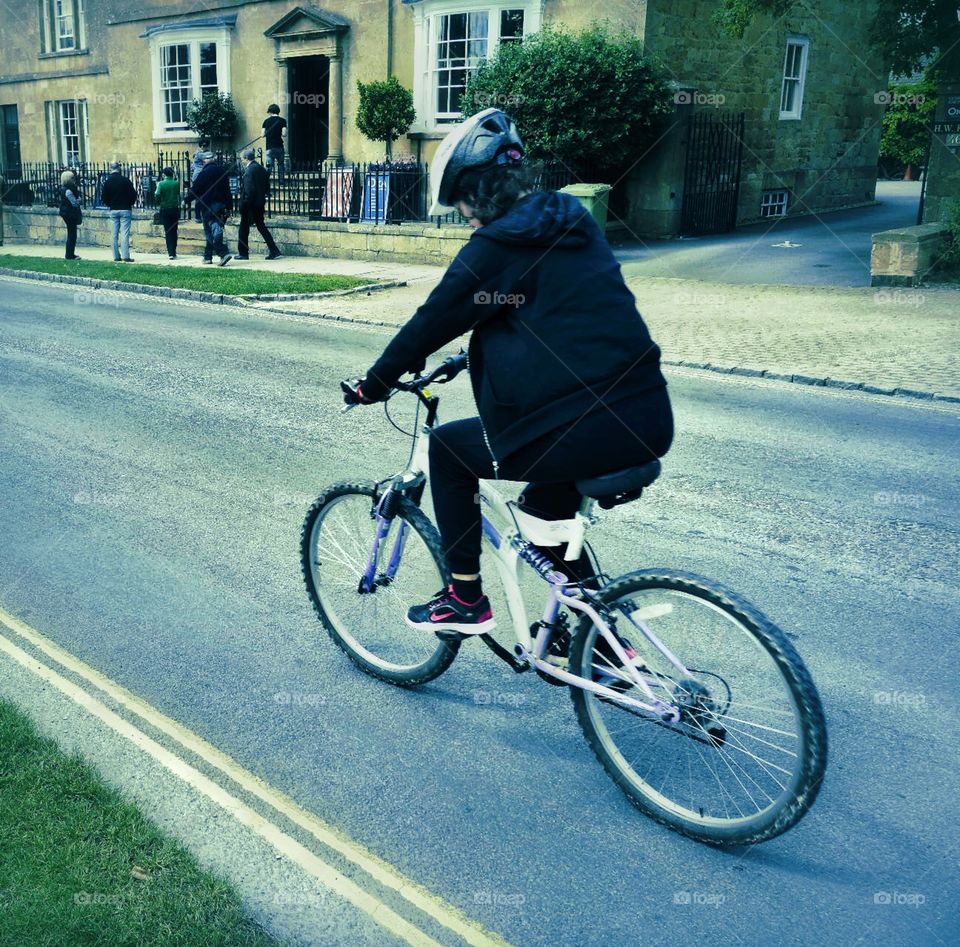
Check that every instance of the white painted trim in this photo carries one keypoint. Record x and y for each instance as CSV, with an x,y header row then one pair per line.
x,y
425,16
795,39
192,38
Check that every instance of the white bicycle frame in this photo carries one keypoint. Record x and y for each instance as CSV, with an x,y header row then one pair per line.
x,y
518,542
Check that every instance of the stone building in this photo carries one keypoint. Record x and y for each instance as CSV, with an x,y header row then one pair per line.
x,y
96,80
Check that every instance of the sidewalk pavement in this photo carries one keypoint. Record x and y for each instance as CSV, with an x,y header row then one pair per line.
x,y
883,340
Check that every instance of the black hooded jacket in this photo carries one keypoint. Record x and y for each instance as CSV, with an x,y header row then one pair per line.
x,y
555,328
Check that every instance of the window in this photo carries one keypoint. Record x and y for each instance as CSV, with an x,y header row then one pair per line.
x,y
462,42
773,204
67,131
794,76
452,38
176,83
188,63
61,26
10,142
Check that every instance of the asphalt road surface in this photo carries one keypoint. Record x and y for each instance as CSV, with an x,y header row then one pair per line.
x,y
157,462
829,249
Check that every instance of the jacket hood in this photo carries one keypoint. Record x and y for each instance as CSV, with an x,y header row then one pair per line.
x,y
544,218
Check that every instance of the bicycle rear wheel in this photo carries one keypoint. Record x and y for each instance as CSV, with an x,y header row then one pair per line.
x,y
746,759
335,546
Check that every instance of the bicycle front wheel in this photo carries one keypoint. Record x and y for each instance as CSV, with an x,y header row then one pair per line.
x,y
745,759
335,548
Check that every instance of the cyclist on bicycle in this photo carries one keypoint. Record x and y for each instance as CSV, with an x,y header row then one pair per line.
x,y
566,378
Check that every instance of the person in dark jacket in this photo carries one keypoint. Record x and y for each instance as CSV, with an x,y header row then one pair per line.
x,y
119,195
211,192
70,211
254,190
565,375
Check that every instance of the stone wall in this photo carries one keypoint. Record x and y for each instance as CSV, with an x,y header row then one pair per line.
x,y
826,159
406,243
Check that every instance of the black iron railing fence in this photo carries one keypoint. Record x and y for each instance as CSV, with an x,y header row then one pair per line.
x,y
370,192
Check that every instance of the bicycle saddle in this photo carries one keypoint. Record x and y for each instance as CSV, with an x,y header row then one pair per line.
x,y
621,486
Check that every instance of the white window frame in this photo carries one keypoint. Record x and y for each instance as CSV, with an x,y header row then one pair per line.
x,y
50,39
193,38
426,29
773,200
799,81
57,134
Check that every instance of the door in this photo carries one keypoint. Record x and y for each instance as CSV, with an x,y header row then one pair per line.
x,y
711,178
10,143
308,83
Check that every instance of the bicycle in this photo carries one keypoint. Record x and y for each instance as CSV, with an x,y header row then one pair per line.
x,y
696,704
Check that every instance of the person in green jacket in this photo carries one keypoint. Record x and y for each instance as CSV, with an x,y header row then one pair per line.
x,y
168,198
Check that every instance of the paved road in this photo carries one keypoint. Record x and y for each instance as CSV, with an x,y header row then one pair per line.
x,y
831,249
157,462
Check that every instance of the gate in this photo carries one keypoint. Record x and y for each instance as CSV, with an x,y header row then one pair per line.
x,y
711,175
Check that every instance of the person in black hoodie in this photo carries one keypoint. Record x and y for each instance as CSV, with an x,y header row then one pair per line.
x,y
565,375
211,191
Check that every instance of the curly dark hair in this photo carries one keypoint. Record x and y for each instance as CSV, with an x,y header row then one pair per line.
x,y
491,192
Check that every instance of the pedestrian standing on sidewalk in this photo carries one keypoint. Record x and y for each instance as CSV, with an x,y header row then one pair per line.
x,y
168,199
211,191
70,211
273,131
254,190
119,195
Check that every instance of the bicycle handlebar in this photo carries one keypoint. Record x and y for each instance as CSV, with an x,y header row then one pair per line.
x,y
446,371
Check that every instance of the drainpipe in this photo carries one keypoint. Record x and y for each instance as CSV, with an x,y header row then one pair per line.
x,y
389,38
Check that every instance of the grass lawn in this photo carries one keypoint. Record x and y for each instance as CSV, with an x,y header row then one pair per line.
x,y
231,280
78,865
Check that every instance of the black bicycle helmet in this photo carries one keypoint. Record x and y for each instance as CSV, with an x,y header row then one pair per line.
x,y
486,139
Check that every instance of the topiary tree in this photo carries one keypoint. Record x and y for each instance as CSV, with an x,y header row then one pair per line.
x,y
214,116
592,100
386,111
907,122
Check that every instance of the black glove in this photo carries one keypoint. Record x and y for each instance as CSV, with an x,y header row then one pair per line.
x,y
352,392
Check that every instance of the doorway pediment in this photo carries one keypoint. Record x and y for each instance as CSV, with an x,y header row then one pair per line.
x,y
308,22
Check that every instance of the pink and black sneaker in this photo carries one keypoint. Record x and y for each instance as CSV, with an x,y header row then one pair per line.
x,y
447,613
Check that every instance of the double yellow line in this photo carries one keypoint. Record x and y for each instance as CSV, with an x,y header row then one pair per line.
x,y
463,928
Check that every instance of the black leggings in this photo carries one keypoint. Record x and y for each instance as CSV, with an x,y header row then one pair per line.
x,y
606,439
